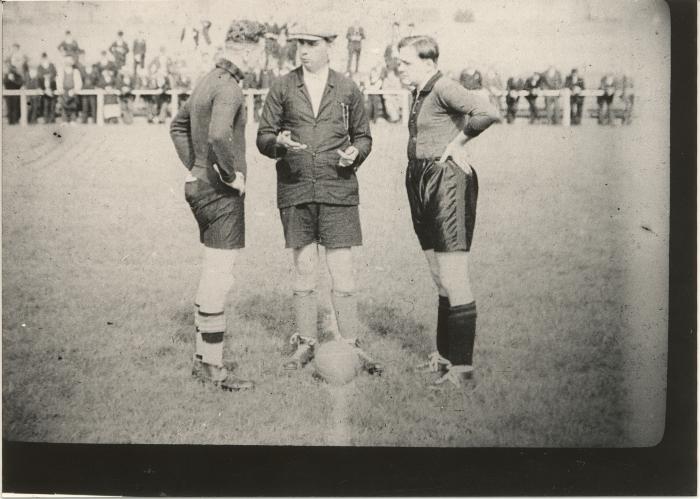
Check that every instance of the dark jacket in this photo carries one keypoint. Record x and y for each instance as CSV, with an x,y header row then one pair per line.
x,y
313,175
570,84
210,127
551,82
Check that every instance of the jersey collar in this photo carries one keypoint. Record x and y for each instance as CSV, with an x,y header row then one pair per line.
x,y
231,68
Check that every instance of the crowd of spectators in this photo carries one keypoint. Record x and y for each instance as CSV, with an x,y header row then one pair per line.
x,y
60,82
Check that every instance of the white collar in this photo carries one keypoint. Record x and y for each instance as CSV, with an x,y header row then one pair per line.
x,y
320,75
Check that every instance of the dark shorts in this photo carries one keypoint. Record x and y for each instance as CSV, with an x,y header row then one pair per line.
x,y
333,226
443,204
219,213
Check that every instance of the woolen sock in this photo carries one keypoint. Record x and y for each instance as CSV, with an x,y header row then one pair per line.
x,y
461,330
305,313
442,339
345,305
213,348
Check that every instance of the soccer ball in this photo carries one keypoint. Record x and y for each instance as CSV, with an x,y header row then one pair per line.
x,y
337,362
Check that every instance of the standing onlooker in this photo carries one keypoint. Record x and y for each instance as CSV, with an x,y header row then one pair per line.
x,y
391,52
69,47
68,83
139,51
532,86
288,52
375,102
513,88
18,60
160,64
88,103
12,80
608,84
119,49
355,35
126,97
576,85
552,80
494,86
111,109
470,79
158,104
33,101
627,98
46,72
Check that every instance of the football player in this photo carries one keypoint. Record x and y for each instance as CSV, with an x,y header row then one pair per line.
x,y
209,136
442,189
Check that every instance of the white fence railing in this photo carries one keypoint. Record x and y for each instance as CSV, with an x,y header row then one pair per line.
x,y
563,94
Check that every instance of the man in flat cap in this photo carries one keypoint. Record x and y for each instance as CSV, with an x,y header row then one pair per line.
x,y
209,136
314,125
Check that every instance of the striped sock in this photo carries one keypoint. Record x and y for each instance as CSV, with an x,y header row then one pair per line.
x,y
209,345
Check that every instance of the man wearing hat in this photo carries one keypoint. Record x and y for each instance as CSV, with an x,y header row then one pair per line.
x,y
314,125
209,136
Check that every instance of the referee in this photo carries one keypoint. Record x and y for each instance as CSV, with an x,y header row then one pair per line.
x,y
209,136
314,125
442,189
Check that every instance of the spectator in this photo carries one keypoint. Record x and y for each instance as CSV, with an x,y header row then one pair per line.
x,y
494,86
119,49
513,88
111,108
375,102
355,35
392,103
158,104
139,51
470,79
532,87
46,72
576,85
160,65
69,47
68,83
126,97
627,98
608,84
552,80
104,64
272,50
252,81
288,52
12,80
33,101
18,60
88,103
391,52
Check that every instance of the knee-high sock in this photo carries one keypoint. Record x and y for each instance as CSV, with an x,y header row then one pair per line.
x,y
461,330
345,305
305,313
442,339
210,338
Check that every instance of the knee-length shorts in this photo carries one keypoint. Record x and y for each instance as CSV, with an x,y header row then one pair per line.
x,y
220,214
442,198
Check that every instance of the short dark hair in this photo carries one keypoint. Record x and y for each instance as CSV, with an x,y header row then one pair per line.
x,y
67,32
426,46
120,33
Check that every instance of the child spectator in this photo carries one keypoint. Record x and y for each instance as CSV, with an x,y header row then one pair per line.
x,y
46,72
68,83
33,101
105,64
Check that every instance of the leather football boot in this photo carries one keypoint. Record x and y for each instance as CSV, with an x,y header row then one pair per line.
x,y
221,377
369,365
458,376
304,353
197,364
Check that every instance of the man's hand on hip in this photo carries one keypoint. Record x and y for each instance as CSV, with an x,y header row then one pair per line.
x,y
238,182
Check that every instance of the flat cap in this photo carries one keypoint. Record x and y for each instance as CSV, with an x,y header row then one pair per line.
x,y
311,32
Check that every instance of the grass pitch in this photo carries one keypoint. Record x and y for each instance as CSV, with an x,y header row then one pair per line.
x,y
101,261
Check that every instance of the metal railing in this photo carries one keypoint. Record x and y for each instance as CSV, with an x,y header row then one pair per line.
x,y
563,94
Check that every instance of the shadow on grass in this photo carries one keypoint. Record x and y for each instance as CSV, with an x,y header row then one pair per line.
x,y
387,321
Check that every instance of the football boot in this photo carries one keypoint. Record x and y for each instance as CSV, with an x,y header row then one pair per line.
x,y
369,365
220,376
305,347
